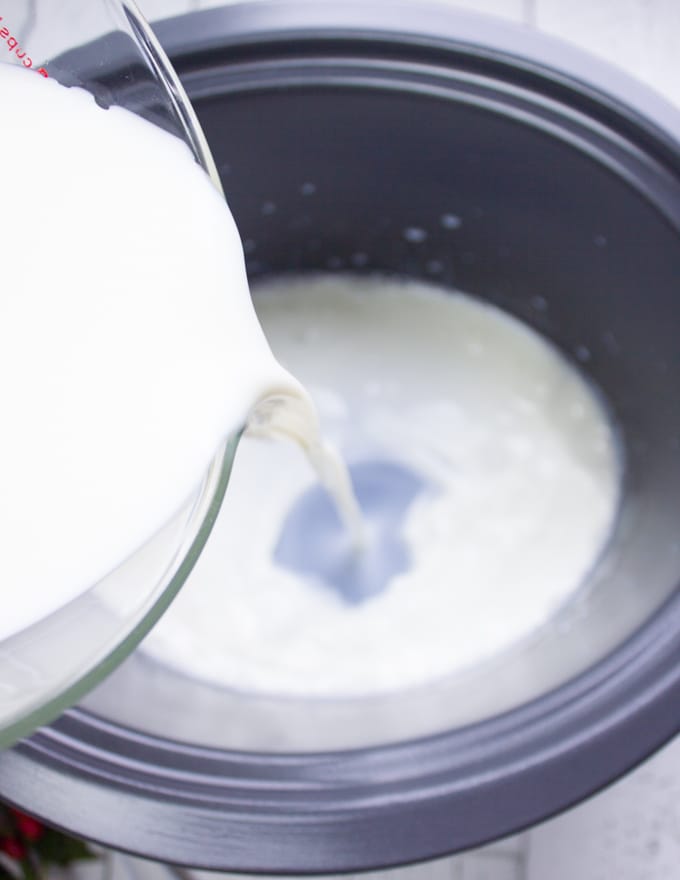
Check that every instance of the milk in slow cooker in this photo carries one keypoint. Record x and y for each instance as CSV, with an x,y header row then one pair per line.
x,y
488,474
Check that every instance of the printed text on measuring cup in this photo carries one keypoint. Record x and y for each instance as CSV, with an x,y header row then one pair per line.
x,y
14,47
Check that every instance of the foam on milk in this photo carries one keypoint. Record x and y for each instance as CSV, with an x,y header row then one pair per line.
x,y
128,344
510,474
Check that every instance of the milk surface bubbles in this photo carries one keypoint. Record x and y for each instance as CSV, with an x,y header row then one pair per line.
x,y
501,472
128,344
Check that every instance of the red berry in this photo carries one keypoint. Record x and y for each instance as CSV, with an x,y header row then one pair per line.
x,y
13,848
28,827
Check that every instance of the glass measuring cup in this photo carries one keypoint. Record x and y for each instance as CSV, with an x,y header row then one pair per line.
x,y
109,50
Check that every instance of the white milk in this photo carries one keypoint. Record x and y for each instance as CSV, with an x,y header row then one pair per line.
x,y
521,486
128,344
129,349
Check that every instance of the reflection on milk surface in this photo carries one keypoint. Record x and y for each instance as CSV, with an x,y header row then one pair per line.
x,y
488,476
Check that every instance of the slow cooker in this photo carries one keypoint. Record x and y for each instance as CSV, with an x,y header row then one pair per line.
x,y
564,179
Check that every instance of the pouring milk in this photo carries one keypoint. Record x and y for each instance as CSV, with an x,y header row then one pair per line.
x,y
129,348
488,476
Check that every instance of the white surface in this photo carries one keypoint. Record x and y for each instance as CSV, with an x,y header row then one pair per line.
x,y
640,36
513,10
505,860
631,831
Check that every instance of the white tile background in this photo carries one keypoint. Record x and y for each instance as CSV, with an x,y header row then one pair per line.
x,y
632,830
642,36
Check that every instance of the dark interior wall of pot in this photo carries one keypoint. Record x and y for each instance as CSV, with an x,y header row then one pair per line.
x,y
364,179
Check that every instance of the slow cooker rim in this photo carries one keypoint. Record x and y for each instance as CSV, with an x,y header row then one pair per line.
x,y
78,760
429,32
621,670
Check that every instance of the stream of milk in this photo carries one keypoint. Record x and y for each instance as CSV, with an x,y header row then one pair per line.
x,y
488,476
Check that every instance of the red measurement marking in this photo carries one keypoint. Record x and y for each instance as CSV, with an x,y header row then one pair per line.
x,y
15,48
